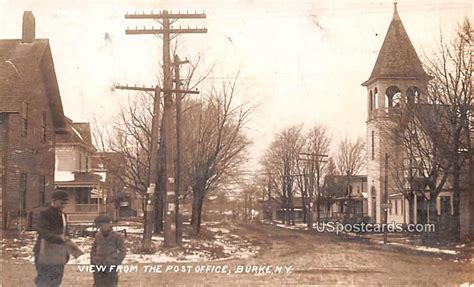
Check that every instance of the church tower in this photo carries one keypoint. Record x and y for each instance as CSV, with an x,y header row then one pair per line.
x,y
396,79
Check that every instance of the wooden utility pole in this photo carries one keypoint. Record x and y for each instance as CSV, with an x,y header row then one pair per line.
x,y
153,172
178,183
167,31
270,197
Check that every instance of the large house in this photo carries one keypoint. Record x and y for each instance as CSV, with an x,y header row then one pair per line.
x,y
87,186
345,196
31,114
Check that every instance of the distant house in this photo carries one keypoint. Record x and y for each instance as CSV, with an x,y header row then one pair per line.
x,y
275,209
31,114
127,203
89,193
345,196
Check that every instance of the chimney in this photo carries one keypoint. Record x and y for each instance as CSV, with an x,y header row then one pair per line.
x,y
28,34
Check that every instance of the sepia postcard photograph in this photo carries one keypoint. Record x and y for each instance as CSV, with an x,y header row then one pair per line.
x,y
236,143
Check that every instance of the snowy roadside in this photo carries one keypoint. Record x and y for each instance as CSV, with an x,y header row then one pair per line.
x,y
217,243
376,239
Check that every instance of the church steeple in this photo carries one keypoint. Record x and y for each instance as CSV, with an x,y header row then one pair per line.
x,y
397,58
395,10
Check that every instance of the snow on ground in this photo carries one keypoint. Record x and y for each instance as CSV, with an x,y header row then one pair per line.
x,y
425,248
219,243
302,226
297,226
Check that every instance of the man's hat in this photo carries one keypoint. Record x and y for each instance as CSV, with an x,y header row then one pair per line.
x,y
60,195
103,218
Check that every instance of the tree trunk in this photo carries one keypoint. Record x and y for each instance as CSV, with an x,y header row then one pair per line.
x,y
305,207
318,206
292,209
456,203
411,208
195,213
198,200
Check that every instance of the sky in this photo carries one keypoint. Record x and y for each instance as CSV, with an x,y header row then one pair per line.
x,y
302,62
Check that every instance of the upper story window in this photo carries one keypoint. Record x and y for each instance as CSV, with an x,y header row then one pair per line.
x,y
371,101
43,127
24,119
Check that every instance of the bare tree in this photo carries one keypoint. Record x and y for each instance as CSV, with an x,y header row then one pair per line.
x,y
450,91
281,159
317,148
350,157
216,143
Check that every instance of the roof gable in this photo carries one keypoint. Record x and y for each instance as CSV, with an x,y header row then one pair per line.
x,y
76,133
19,62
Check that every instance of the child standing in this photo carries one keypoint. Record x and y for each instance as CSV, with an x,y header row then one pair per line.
x,y
108,251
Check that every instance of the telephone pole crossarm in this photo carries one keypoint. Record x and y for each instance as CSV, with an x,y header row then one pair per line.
x,y
170,15
150,89
161,31
135,88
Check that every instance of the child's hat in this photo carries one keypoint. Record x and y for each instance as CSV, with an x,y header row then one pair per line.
x,y
59,195
103,218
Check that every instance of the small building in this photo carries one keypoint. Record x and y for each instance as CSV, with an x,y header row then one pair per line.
x,y
31,115
126,201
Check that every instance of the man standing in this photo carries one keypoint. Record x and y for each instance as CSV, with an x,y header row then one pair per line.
x,y
50,250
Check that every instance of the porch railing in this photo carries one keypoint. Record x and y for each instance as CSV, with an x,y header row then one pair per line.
x,y
87,208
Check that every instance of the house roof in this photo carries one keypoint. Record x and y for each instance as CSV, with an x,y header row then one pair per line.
x,y
336,185
19,62
76,133
397,58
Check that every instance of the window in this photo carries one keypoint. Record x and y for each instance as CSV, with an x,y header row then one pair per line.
x,y
392,97
373,145
24,120
23,191
445,202
413,95
371,101
376,95
396,206
79,155
42,194
390,205
43,127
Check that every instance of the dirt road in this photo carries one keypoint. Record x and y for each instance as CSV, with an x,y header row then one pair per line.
x,y
286,257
